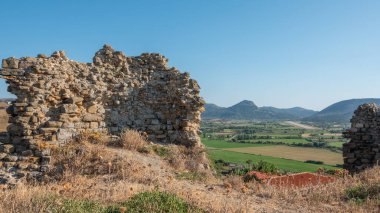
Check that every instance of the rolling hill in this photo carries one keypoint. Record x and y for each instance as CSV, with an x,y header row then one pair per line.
x,y
340,112
248,110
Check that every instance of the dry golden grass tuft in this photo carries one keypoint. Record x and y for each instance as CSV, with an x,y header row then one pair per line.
x,y
92,137
131,140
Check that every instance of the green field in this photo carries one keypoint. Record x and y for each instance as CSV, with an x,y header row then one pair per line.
x,y
224,144
283,164
216,152
287,141
336,144
294,153
291,145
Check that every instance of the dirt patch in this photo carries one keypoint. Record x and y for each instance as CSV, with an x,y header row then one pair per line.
x,y
300,180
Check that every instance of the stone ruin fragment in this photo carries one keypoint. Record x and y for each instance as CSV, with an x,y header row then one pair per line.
x,y
363,149
58,98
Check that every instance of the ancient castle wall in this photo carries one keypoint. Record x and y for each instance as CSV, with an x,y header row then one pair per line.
x,y
363,149
58,98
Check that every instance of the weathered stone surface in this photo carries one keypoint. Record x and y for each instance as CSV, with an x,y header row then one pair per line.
x,y
92,118
58,98
7,148
362,150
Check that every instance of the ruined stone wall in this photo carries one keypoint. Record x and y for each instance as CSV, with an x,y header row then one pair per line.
x,y
363,149
58,98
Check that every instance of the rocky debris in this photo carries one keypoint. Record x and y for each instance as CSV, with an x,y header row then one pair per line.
x,y
363,149
58,98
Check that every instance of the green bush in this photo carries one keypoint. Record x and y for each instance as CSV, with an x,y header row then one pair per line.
x,y
157,202
363,192
144,202
69,205
263,166
249,178
161,151
314,162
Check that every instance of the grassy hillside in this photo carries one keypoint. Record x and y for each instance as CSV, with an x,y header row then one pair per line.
x,y
340,112
107,177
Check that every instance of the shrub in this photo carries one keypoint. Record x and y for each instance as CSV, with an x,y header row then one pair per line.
x,y
161,151
77,206
82,158
363,192
131,139
192,159
314,162
92,137
263,166
158,202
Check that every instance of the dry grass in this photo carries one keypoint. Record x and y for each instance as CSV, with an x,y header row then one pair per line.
x,y
92,137
106,176
333,196
131,140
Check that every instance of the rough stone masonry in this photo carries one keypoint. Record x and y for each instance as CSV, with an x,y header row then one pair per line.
x,y
58,98
363,149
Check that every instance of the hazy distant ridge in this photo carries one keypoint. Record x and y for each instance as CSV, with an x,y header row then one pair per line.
x,y
340,112
247,110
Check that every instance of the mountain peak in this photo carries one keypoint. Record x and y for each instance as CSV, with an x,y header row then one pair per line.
x,y
246,103
340,112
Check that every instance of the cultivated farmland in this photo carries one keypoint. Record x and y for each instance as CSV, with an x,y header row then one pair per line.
x,y
294,153
284,145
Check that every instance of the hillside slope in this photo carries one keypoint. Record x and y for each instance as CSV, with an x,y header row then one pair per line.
x,y
340,112
100,177
247,110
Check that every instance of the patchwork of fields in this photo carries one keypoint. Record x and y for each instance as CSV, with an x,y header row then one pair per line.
x,y
284,145
294,153
221,150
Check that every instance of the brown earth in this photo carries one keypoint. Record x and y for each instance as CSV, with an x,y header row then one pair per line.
x,y
300,180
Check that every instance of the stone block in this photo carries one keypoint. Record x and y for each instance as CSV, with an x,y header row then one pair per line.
x,y
92,109
48,130
69,108
92,118
56,124
27,153
7,148
94,125
5,63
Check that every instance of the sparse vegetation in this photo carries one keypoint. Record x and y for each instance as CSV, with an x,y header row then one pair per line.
x,y
158,202
314,162
364,192
132,140
287,147
95,177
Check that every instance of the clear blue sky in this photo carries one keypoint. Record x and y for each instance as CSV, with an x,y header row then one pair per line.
x,y
308,53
